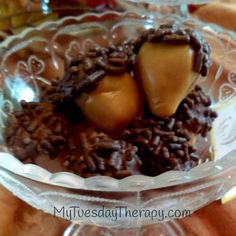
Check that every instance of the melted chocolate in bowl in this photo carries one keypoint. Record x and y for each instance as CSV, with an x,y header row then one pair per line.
x,y
97,119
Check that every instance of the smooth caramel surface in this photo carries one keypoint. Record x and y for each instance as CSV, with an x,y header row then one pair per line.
x,y
166,75
113,104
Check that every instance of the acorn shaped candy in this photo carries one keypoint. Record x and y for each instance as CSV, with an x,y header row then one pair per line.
x,y
113,104
104,89
167,67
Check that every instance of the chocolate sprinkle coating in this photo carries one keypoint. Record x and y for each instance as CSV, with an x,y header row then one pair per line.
x,y
85,73
196,113
36,130
163,144
102,155
150,145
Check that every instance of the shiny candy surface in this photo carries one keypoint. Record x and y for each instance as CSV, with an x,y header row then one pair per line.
x,y
166,75
113,104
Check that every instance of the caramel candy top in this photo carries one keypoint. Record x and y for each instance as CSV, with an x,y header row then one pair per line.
x,y
169,60
113,104
166,75
174,35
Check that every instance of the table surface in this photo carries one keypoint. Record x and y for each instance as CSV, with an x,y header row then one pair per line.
x,y
19,219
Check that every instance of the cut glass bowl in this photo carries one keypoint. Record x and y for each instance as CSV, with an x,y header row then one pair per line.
x,y
38,54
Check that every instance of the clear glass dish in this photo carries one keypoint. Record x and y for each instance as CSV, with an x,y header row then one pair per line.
x,y
38,53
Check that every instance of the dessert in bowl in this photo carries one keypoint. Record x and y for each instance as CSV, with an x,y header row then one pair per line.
x,y
118,128
91,95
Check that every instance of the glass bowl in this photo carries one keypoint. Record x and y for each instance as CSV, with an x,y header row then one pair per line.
x,y
38,54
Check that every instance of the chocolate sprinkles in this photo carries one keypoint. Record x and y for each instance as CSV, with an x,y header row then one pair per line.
x,y
36,130
102,155
84,73
87,70
150,145
161,147
196,113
